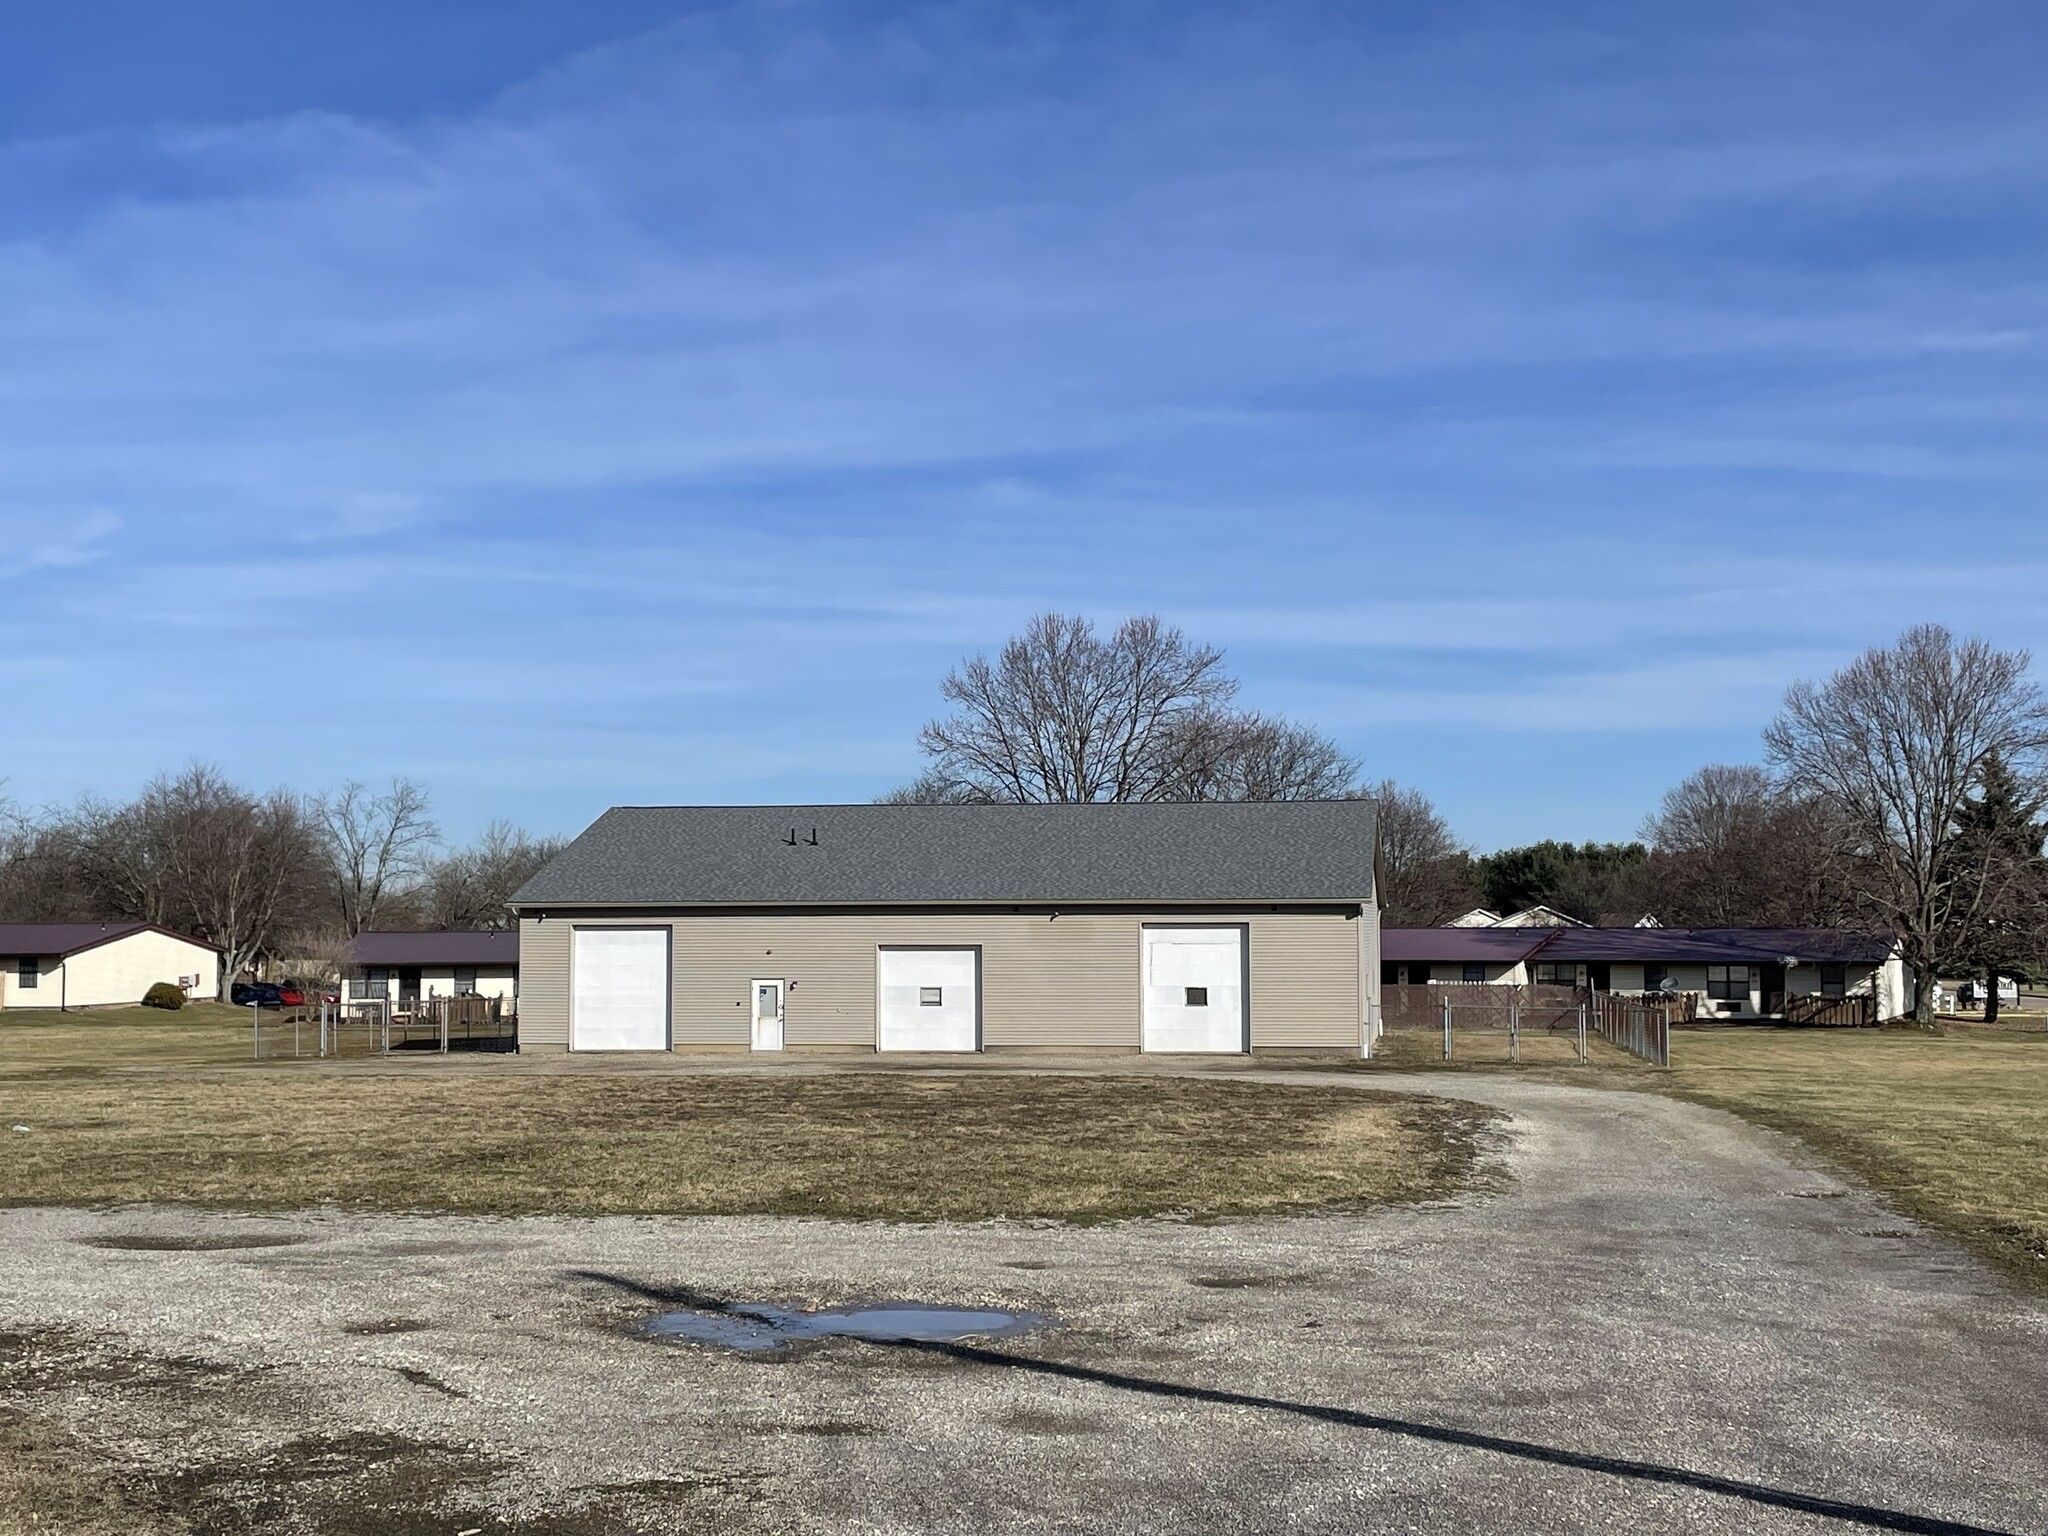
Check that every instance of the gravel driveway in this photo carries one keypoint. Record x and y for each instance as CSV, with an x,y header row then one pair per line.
x,y
1661,1320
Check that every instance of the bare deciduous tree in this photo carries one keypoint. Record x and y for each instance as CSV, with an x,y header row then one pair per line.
x,y
1731,847
196,853
1892,745
1063,714
1246,756
470,887
1425,870
375,845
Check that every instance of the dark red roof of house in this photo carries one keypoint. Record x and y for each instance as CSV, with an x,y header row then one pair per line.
x,y
1497,946
1740,946
1737,946
70,938
441,947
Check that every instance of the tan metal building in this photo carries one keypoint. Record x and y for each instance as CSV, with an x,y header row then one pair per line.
x,y
959,928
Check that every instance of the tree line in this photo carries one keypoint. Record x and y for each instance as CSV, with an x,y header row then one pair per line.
x,y
1905,793
263,874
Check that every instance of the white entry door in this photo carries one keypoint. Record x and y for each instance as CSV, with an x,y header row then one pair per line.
x,y
1194,989
927,1000
619,990
768,1015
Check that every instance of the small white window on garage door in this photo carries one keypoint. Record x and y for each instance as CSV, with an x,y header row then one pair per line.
x,y
1194,989
927,999
619,987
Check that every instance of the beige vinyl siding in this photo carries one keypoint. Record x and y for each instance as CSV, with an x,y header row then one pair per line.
x,y
543,984
1305,981
1067,981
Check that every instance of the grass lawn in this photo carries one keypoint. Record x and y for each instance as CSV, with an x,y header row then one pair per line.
x,y
199,1034
171,1117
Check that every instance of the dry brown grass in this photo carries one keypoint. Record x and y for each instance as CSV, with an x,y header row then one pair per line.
x,y
169,1120
49,1486
34,1040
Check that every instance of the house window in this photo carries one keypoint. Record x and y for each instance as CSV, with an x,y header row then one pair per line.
x,y
1834,981
1198,997
25,974
931,997
1417,975
1655,978
376,983
465,981
1475,973
1728,983
1552,974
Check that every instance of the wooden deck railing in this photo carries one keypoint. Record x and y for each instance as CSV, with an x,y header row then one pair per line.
x,y
1856,1011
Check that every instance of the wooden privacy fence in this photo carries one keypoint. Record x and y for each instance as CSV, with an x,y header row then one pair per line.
x,y
1638,1027
1420,1005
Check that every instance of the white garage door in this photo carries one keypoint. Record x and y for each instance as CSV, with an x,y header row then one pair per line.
x,y
620,996
1194,989
927,1000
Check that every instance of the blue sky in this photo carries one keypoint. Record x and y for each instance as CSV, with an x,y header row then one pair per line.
x,y
575,404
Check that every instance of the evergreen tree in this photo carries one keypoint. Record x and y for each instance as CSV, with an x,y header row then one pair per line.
x,y
2001,879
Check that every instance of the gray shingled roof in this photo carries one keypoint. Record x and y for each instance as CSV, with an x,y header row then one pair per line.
x,y
1318,850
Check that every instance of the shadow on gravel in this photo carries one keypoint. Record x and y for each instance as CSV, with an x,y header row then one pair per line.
x,y
229,1242
1526,1450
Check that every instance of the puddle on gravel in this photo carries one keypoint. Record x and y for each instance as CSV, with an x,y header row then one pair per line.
x,y
758,1328
150,1242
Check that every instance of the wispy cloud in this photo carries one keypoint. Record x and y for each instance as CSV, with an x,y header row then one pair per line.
x,y
45,542
682,410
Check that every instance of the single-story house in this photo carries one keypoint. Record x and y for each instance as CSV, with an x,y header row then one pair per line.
x,y
403,968
1737,972
1158,927
100,965
1464,954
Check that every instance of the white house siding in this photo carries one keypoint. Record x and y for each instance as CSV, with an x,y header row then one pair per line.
x,y
438,981
1071,980
1801,980
1896,994
1451,973
117,973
